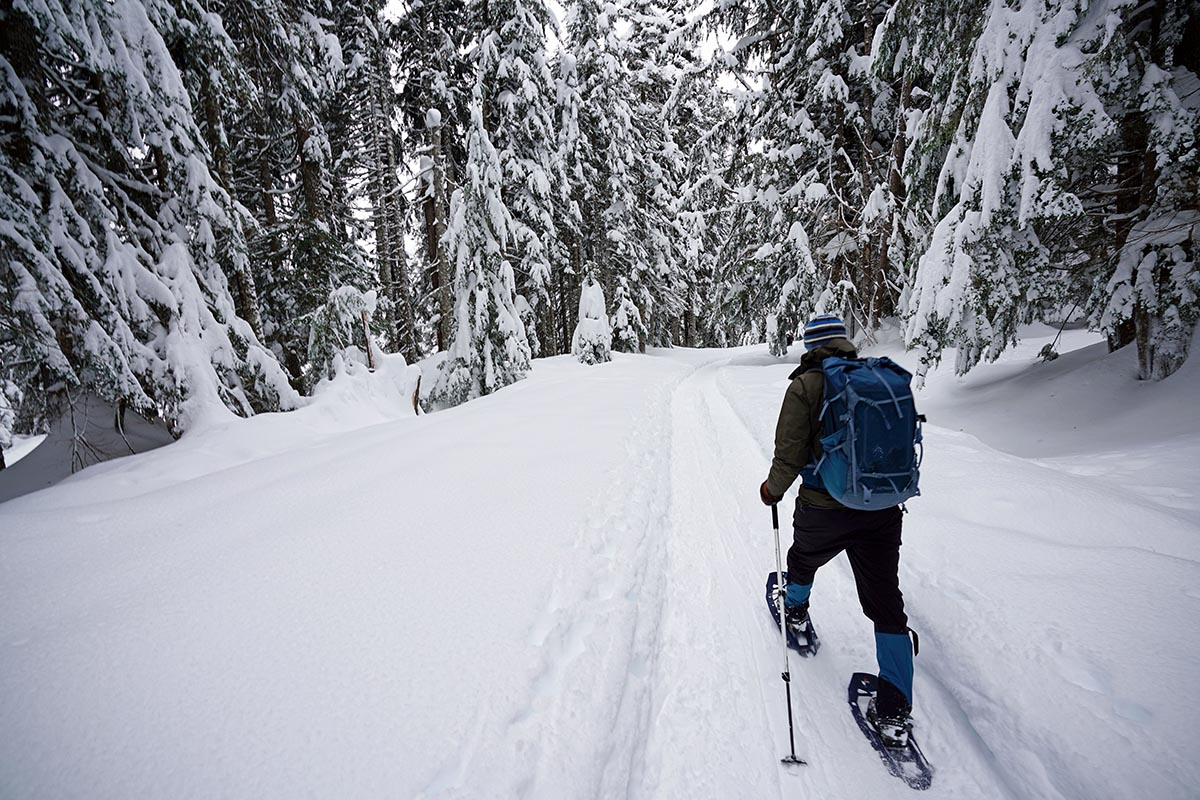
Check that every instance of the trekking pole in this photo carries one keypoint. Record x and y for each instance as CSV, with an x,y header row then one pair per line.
x,y
787,668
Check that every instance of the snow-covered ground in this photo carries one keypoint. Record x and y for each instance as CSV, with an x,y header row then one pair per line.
x,y
556,592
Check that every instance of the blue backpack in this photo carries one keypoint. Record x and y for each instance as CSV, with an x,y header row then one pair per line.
x,y
871,434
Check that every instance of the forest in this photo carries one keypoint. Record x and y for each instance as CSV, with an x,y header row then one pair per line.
x,y
209,201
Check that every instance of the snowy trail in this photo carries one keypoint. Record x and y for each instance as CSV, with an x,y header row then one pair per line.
x,y
720,705
712,735
556,592
593,642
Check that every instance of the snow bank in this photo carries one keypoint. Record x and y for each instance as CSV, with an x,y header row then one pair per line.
x,y
21,447
1088,400
355,399
357,396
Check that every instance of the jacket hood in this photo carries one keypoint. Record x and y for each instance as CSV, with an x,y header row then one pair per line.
x,y
812,359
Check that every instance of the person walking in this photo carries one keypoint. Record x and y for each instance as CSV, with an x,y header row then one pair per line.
x,y
824,527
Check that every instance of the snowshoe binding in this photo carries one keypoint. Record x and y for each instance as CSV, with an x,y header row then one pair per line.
x,y
893,729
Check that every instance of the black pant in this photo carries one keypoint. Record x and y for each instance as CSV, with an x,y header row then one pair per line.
x,y
871,540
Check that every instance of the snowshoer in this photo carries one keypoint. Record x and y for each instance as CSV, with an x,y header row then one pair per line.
x,y
824,527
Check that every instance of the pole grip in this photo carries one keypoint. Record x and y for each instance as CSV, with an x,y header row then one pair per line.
x,y
775,516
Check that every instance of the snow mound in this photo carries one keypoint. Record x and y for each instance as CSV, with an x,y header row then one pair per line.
x,y
592,341
21,447
355,398
1085,401
357,395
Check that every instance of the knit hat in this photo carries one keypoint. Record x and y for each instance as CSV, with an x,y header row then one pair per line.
x,y
822,329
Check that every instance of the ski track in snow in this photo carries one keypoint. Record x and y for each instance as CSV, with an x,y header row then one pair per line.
x,y
643,664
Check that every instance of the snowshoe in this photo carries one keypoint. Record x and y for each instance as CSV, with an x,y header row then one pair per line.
x,y
905,761
801,635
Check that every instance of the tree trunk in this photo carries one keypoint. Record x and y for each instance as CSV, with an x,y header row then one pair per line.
x,y
1162,348
406,314
1121,335
869,278
402,320
436,209
883,301
1137,176
690,316
266,188
310,175
246,292
377,124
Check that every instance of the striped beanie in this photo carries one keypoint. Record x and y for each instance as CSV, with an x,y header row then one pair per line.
x,y
822,329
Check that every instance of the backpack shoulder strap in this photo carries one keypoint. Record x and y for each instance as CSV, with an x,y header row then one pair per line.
x,y
803,370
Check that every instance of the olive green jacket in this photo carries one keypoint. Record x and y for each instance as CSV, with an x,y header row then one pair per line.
x,y
798,432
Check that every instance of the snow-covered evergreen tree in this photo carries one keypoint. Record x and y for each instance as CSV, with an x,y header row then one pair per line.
x,y
1150,82
592,341
659,50
488,349
575,154
290,152
703,132
109,271
529,318
10,401
366,170
521,124
1045,187
217,82
341,329
628,332
598,147
816,189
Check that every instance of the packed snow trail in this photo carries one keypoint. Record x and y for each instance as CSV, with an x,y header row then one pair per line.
x,y
1053,608
722,699
556,592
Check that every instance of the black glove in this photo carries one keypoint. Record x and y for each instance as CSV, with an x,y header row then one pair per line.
x,y
765,495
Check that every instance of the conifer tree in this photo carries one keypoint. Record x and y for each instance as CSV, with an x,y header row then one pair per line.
x,y
575,154
1148,83
821,190
1030,218
768,261
489,349
290,152
110,275
599,148
521,125
342,330
436,76
628,332
367,167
